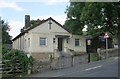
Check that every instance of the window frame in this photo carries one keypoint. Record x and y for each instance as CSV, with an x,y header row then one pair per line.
x,y
54,40
77,40
43,39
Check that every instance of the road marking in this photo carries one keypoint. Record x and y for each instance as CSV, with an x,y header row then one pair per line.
x,y
92,68
78,71
115,57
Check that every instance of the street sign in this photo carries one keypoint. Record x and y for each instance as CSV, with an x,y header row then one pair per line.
x,y
106,35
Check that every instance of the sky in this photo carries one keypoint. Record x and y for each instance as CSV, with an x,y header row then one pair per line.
x,y
14,11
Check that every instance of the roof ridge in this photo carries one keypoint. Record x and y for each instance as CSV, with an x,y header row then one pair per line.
x,y
50,18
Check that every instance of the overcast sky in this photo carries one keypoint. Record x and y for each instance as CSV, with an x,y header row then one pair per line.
x,y
14,11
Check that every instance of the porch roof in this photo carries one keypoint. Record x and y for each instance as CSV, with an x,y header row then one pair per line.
x,y
62,36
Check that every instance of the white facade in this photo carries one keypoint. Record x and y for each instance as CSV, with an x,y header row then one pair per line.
x,y
54,37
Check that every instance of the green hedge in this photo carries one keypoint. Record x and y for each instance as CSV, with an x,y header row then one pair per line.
x,y
15,56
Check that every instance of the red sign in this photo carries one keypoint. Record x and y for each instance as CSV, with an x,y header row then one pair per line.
x,y
106,35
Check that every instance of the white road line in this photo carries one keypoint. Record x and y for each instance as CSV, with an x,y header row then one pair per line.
x,y
92,68
115,57
78,71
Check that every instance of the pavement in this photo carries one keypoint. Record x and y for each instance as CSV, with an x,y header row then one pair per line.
x,y
102,68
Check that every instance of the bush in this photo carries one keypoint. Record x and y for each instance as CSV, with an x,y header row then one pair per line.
x,y
93,57
16,60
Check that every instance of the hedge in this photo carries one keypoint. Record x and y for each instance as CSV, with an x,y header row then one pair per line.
x,y
15,57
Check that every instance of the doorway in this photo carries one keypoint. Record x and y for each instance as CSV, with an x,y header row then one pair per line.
x,y
60,44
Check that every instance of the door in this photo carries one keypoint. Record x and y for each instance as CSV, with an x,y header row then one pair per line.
x,y
60,44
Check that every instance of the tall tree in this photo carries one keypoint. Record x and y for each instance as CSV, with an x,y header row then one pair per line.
x,y
73,22
6,38
102,17
99,17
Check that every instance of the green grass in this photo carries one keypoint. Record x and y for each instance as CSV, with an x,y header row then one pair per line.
x,y
93,57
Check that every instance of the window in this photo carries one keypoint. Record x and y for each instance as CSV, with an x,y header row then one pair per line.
x,y
53,40
42,41
28,42
66,40
88,42
77,43
25,43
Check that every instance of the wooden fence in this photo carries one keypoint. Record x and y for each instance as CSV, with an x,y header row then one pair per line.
x,y
9,70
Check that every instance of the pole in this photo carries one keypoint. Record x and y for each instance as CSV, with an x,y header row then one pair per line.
x,y
88,57
106,48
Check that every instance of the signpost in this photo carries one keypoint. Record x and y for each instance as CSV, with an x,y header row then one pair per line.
x,y
88,43
106,38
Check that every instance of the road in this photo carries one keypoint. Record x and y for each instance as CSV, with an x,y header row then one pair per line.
x,y
103,68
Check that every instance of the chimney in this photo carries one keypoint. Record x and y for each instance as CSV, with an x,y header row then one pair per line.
x,y
27,21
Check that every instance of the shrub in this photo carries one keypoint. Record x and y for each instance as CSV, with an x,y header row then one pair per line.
x,y
17,61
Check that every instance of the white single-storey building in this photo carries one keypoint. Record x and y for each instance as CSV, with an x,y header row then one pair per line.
x,y
48,39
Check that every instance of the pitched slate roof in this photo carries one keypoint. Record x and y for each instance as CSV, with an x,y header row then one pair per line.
x,y
22,33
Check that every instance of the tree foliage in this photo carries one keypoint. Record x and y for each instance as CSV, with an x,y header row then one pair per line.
x,y
17,61
6,38
35,22
101,17
73,22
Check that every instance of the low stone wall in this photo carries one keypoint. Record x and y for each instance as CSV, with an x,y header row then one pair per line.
x,y
40,66
80,59
68,61
58,63
108,53
41,56
61,62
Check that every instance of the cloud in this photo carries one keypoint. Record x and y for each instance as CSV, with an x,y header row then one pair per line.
x,y
15,27
59,18
47,2
37,0
13,5
53,2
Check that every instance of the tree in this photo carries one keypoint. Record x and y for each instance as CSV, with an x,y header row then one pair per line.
x,y
35,22
6,38
99,17
102,17
73,22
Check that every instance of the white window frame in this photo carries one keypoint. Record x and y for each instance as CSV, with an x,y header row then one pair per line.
x,y
43,38
77,40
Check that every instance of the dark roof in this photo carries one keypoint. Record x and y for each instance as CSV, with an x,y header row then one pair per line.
x,y
97,35
22,33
